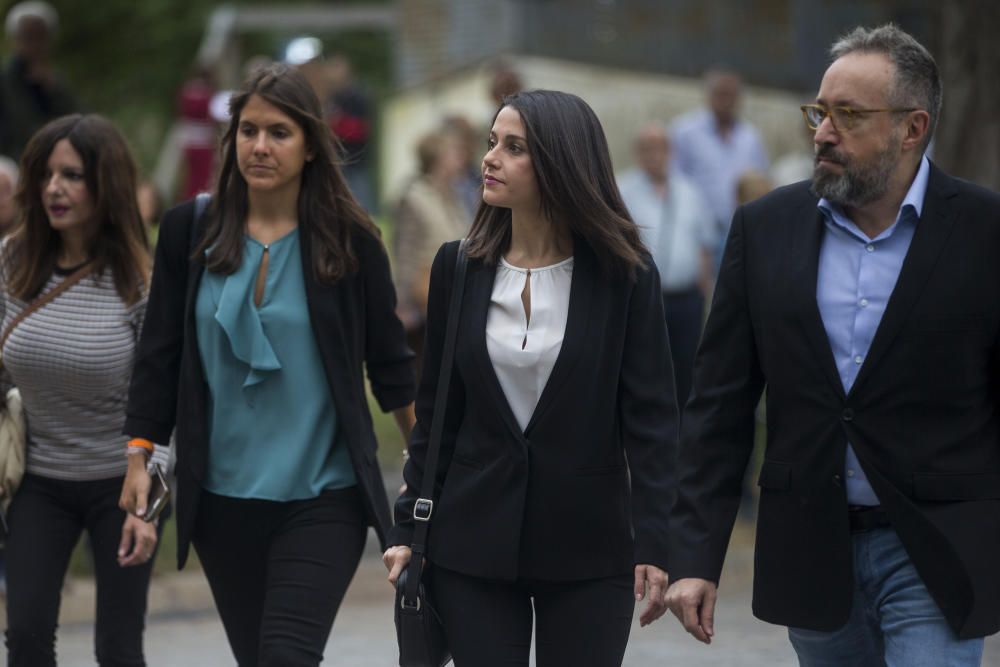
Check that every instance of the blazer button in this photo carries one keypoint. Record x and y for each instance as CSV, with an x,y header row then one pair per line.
x,y
847,415
836,480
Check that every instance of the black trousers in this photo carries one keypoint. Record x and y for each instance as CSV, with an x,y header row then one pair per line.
x,y
46,518
489,623
684,312
279,570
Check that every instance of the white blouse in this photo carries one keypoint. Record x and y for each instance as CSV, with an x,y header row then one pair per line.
x,y
524,351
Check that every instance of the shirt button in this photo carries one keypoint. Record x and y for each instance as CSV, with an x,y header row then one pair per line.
x,y
850,473
870,248
864,303
858,359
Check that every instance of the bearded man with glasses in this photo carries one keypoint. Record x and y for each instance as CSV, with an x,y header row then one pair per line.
x,y
867,302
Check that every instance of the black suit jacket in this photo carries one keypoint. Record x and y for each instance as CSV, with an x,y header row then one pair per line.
x,y
354,324
553,501
922,414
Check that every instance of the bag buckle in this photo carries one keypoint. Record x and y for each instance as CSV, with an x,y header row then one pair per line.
x,y
422,509
405,605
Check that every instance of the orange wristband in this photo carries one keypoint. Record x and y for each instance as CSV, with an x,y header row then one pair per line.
x,y
141,442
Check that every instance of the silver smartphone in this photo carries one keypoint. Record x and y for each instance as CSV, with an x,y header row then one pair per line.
x,y
159,495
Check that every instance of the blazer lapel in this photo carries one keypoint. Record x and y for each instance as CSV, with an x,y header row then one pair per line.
x,y
478,292
582,288
808,229
935,225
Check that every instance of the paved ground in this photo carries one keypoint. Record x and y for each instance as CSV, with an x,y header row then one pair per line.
x,y
183,630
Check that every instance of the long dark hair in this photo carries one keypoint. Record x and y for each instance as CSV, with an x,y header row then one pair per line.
x,y
576,182
326,208
109,173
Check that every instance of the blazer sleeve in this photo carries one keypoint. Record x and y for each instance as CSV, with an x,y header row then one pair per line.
x,y
718,424
439,296
388,360
649,417
152,396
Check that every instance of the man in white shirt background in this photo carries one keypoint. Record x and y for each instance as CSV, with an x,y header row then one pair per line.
x,y
679,230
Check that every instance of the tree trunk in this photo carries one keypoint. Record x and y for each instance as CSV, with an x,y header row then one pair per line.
x,y
968,136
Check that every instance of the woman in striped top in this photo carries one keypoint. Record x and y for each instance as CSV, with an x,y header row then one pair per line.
x,y
72,360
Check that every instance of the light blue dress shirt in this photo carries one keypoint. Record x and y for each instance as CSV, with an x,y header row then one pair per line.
x,y
856,277
272,415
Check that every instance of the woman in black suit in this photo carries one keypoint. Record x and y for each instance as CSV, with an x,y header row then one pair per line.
x,y
561,422
262,318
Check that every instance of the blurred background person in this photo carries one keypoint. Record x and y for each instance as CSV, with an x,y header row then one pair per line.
x,y
31,94
752,185
351,117
8,188
72,359
469,183
712,146
429,214
679,230
199,136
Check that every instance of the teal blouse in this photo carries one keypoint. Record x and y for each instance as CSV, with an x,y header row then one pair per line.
x,y
273,424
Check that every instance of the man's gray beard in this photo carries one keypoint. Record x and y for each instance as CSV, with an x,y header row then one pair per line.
x,y
858,184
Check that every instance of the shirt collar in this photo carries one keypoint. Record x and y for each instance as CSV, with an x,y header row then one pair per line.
x,y
913,200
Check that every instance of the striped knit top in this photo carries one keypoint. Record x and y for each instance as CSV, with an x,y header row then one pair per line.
x,y
72,361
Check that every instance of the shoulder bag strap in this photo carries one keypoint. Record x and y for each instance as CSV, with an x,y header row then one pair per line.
x,y
423,508
44,300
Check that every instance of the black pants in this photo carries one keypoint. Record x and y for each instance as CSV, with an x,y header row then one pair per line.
x,y
279,570
684,312
488,623
46,518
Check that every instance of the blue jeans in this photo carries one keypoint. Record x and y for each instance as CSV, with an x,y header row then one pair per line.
x,y
894,620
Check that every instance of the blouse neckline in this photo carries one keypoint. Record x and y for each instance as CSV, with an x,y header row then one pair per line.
x,y
557,265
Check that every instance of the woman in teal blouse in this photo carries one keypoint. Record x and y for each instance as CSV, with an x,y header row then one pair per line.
x,y
259,321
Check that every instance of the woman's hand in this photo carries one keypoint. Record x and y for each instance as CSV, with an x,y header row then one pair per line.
x,y
138,542
395,560
656,580
135,489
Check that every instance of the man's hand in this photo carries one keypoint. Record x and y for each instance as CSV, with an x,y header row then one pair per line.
x,y
656,579
693,603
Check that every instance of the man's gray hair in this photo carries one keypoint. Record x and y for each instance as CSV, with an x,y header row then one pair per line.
x,y
916,84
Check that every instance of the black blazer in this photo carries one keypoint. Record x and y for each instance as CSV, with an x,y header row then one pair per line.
x,y
553,501
922,415
354,323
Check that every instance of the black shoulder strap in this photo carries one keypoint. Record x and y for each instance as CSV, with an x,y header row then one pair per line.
x,y
423,508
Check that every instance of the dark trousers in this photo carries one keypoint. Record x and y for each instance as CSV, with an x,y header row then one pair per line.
x,y
489,623
684,311
279,570
46,518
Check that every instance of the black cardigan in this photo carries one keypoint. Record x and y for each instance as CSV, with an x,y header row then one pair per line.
x,y
354,323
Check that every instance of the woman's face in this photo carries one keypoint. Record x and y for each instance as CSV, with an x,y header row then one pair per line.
x,y
270,147
65,196
508,175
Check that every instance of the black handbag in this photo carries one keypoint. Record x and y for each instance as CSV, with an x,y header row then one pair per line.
x,y
421,638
